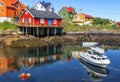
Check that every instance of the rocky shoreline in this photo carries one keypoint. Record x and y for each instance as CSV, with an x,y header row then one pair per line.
x,y
69,38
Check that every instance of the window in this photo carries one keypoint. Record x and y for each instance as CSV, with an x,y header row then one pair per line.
x,y
93,57
62,9
54,21
29,20
41,7
1,10
98,58
49,7
78,17
23,20
17,6
63,14
42,21
1,4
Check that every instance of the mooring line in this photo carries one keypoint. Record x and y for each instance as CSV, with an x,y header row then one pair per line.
x,y
114,68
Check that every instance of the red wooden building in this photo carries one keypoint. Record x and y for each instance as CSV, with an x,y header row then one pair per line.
x,y
118,24
37,22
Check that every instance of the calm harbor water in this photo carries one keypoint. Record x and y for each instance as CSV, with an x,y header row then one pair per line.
x,y
55,64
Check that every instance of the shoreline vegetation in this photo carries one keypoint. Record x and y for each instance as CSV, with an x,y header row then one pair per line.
x,y
74,34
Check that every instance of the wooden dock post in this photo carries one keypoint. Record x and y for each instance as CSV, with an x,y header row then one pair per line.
x,y
47,31
33,31
26,31
37,31
55,31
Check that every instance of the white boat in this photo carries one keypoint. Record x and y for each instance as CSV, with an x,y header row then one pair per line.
x,y
95,56
89,44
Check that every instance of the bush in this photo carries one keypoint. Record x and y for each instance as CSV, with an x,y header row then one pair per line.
x,y
6,23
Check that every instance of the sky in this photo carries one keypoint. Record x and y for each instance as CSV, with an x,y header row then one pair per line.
x,y
97,8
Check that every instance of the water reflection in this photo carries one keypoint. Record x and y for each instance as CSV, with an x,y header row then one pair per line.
x,y
94,72
27,58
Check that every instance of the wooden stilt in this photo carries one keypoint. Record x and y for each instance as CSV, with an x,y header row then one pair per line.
x,y
23,29
37,32
55,31
30,31
33,32
48,32
54,49
26,30
47,49
37,52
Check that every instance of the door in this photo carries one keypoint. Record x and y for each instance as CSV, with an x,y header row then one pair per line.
x,y
50,22
26,20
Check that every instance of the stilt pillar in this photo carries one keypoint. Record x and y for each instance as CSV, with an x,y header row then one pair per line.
x,y
54,49
48,32
33,31
26,30
55,31
37,32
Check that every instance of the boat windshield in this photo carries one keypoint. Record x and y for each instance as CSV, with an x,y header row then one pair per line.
x,y
93,57
98,58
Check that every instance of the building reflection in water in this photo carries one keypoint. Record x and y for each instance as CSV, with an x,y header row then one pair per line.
x,y
94,72
15,59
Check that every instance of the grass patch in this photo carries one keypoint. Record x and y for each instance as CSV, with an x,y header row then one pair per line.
x,y
7,25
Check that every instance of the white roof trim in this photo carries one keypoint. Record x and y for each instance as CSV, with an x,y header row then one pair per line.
x,y
24,12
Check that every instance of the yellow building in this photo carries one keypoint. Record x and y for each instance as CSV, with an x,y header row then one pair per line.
x,y
82,19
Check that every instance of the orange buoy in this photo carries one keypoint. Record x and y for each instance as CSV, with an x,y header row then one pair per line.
x,y
28,75
22,76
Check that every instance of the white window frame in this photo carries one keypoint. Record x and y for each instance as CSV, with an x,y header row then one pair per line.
x,y
54,21
23,20
29,20
42,21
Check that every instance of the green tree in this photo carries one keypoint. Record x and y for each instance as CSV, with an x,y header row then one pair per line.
x,y
100,21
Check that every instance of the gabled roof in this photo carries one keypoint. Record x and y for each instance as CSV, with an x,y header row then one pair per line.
x,y
69,9
45,4
44,14
22,5
9,3
118,23
88,16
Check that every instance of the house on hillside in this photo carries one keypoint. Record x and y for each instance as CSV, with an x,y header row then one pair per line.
x,y
10,9
44,6
118,24
40,23
82,19
67,13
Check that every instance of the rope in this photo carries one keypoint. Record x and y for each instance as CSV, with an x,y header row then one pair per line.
x,y
114,68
